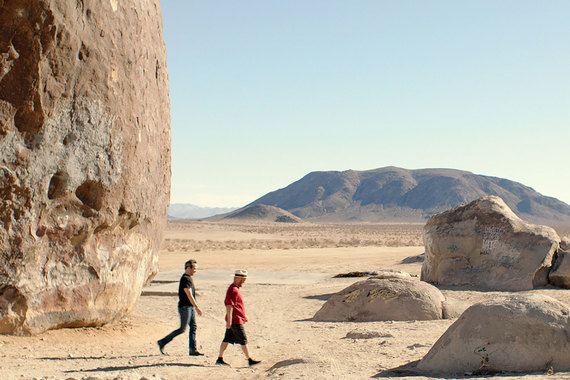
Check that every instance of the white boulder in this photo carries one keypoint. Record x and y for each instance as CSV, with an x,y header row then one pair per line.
x,y
521,333
384,299
483,243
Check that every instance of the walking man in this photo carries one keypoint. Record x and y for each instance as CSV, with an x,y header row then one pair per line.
x,y
187,308
235,319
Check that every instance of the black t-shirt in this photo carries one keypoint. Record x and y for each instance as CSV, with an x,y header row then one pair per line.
x,y
186,281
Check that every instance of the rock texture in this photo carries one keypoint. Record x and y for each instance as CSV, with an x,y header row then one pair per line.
x,y
522,333
384,299
483,243
560,272
397,194
84,159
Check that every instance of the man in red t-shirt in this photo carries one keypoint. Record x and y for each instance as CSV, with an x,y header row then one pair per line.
x,y
235,319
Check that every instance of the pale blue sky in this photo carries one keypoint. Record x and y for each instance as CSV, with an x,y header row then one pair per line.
x,y
264,92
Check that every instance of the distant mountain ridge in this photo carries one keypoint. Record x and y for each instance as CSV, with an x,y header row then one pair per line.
x,y
397,194
190,211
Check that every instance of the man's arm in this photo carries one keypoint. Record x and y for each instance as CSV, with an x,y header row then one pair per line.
x,y
229,312
188,292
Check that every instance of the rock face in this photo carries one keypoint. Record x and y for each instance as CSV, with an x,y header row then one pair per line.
x,y
521,333
384,299
560,272
483,243
84,159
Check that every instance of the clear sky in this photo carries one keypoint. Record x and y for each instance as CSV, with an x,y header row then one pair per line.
x,y
264,92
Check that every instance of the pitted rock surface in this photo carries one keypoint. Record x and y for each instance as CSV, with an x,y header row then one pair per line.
x,y
521,333
560,272
483,243
394,298
84,159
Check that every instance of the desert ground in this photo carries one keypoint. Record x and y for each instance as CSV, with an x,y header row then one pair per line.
x,y
291,268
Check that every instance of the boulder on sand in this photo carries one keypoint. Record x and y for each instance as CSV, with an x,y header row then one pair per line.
x,y
384,299
483,243
520,333
84,159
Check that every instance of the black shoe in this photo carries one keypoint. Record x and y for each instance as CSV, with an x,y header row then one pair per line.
x,y
196,353
253,362
221,361
161,348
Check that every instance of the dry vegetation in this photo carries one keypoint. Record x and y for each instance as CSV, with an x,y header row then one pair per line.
x,y
187,236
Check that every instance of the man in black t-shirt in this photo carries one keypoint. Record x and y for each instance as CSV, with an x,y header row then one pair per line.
x,y
187,308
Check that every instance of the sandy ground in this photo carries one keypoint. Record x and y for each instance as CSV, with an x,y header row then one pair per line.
x,y
285,288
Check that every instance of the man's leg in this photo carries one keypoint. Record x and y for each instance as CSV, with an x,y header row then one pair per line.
x,y
245,350
184,319
249,359
223,347
192,335
220,360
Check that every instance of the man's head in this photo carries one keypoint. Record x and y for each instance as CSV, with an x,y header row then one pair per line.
x,y
190,267
239,277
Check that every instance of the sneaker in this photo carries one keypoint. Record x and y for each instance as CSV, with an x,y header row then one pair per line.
x,y
161,348
253,362
196,353
221,361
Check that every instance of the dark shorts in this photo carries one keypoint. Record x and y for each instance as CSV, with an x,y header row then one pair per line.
x,y
235,335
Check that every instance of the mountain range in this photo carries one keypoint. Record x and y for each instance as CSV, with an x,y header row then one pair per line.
x,y
401,195
190,211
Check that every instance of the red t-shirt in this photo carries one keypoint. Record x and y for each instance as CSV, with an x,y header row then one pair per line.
x,y
234,298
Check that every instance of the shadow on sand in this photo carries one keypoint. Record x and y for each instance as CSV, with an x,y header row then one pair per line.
x,y
161,363
128,367
320,297
411,369
102,357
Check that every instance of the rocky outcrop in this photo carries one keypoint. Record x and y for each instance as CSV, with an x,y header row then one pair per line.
x,y
383,299
84,159
522,333
483,243
560,272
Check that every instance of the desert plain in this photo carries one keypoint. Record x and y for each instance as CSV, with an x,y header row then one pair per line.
x,y
291,268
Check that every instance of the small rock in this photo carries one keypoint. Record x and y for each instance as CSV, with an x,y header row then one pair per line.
x,y
362,334
416,345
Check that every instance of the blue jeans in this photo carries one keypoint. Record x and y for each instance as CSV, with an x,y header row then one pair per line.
x,y
187,317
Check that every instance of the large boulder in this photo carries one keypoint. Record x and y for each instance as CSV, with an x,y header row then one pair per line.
x,y
560,272
483,243
521,333
385,298
84,159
